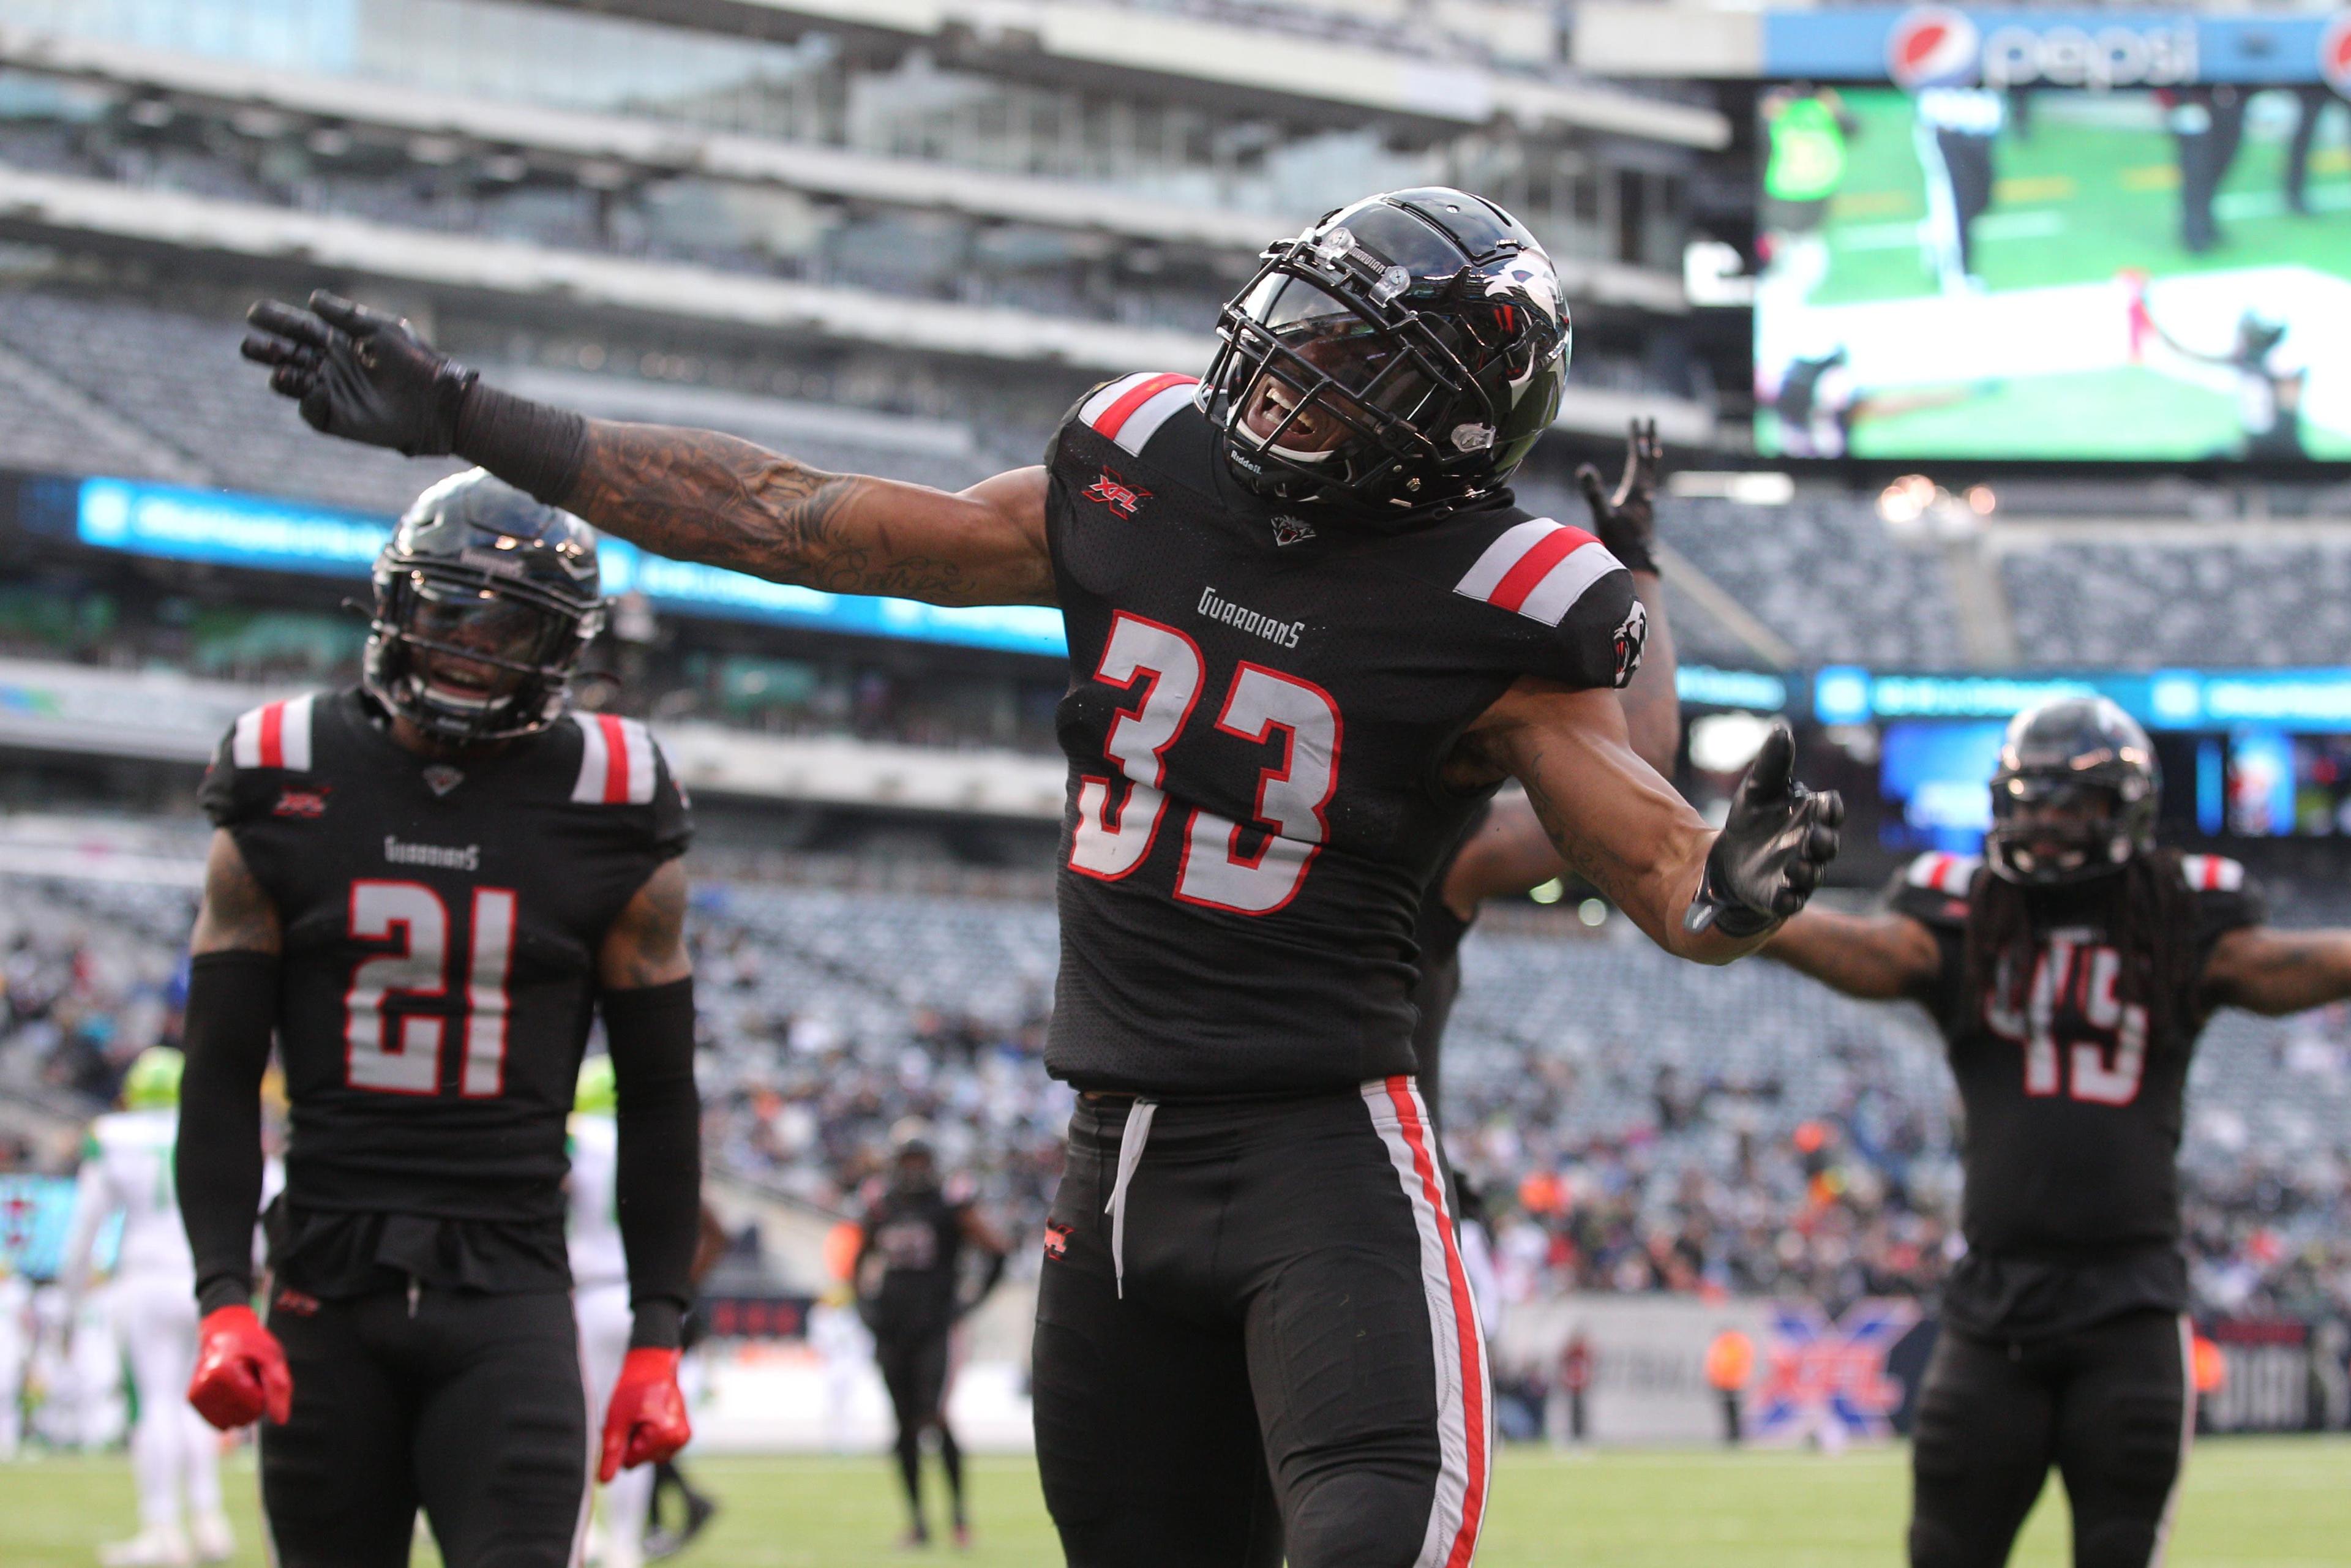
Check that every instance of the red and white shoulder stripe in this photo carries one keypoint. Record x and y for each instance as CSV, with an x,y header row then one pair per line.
x,y
1944,873
617,761
2212,873
1538,569
1130,409
274,734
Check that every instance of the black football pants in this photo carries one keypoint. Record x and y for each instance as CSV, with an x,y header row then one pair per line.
x,y
2109,1406
1294,1366
473,1407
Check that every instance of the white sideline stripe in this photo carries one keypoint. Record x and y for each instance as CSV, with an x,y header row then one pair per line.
x,y
1094,407
1567,582
1503,554
2186,1440
1454,1437
1145,422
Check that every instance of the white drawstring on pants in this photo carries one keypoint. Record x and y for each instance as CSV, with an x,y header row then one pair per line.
x,y
1130,1139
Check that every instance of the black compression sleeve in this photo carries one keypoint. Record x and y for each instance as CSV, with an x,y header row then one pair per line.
x,y
658,1182
529,445
231,1013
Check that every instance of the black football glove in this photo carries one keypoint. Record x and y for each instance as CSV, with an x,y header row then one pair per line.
x,y
1626,518
1777,839
359,374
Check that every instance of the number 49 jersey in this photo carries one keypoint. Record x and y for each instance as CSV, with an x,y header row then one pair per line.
x,y
2074,1099
1261,697
442,921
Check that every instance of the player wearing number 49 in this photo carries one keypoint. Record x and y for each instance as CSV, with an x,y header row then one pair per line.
x,y
427,886
1309,633
2070,972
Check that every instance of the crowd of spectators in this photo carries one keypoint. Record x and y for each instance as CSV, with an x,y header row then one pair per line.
x,y
1711,1185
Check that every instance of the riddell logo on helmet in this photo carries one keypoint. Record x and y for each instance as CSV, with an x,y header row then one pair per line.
x,y
1935,45
2335,54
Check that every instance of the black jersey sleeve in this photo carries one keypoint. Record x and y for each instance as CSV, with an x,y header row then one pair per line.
x,y
1559,605
2227,898
262,768
1934,891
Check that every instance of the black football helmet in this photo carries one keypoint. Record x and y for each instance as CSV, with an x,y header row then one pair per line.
x,y
1401,357
485,600
2075,795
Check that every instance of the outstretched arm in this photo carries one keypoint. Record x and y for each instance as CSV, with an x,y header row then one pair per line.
x,y
691,494
1879,957
1699,894
1625,519
2265,970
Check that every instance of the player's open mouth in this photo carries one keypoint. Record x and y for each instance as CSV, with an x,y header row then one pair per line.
x,y
1309,437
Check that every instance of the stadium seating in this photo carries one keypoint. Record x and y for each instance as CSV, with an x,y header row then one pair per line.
x,y
1641,1123
2202,602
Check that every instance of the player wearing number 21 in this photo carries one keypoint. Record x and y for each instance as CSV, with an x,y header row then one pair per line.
x,y
427,886
1308,631
2070,970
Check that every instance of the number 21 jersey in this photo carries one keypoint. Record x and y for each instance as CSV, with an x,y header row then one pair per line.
x,y
441,925
1261,697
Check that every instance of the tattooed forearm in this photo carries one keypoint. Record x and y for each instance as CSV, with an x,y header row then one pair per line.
x,y
696,494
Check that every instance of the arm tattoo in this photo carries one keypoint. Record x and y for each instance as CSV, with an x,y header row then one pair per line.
x,y
647,946
237,914
695,494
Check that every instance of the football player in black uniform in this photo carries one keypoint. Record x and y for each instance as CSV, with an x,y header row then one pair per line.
x,y
2070,972
427,887
1309,631
910,1292
1504,849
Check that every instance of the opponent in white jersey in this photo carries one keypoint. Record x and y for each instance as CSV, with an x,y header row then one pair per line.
x,y
600,1295
127,1170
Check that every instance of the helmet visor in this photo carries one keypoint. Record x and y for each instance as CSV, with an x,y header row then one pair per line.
x,y
1325,371
474,647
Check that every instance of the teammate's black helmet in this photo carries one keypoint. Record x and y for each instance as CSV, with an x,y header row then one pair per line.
x,y
1401,356
485,600
2075,795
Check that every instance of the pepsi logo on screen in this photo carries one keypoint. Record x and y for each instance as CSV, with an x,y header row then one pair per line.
x,y
1932,45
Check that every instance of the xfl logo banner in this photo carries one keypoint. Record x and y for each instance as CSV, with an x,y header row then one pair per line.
x,y
1829,1382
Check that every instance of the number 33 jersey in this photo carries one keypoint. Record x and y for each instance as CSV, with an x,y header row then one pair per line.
x,y
442,921
1261,697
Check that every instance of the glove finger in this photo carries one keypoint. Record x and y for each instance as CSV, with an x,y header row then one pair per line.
x,y
1828,808
1801,874
347,314
1772,775
616,1439
293,380
265,349
289,322
1789,900
1587,478
1821,845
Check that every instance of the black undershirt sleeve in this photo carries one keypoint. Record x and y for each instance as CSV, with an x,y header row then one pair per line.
x,y
231,1014
657,1182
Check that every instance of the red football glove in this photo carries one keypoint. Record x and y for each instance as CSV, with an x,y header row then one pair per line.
x,y
645,1423
241,1373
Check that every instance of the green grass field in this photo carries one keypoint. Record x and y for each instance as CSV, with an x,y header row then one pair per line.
x,y
2078,199
2250,1504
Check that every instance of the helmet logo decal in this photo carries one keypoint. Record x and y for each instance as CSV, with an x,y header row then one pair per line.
x,y
1530,275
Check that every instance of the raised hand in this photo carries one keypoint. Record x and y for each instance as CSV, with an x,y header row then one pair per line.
x,y
1777,839
1625,519
359,374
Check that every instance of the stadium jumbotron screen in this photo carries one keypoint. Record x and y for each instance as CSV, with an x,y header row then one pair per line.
x,y
1972,272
